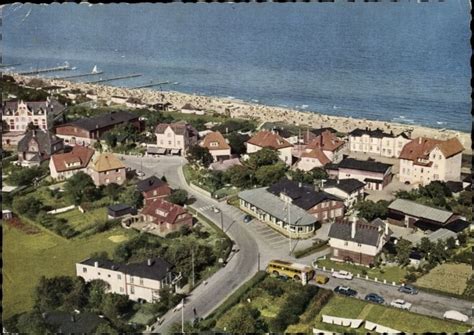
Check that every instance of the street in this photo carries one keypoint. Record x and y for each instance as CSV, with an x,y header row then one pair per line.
x,y
256,239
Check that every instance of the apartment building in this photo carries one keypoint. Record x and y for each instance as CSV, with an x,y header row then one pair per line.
x,y
175,138
423,160
377,142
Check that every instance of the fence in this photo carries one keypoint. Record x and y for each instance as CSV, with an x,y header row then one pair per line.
x,y
61,210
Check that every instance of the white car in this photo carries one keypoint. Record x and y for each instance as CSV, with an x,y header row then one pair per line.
x,y
456,316
342,274
178,307
400,303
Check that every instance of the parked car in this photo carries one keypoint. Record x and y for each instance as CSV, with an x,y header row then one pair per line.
x,y
344,290
373,297
321,279
408,289
140,173
400,303
342,274
178,307
247,218
456,316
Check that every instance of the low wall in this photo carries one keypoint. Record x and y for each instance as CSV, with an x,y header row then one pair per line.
x,y
61,210
199,189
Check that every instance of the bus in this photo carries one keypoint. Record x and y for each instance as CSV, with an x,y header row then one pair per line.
x,y
292,270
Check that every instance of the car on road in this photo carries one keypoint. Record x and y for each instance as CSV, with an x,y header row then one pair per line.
x,y
344,290
373,297
178,307
247,218
408,289
456,316
140,173
341,274
400,303
321,279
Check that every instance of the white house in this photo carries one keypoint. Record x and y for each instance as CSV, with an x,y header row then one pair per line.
x,y
377,142
217,145
190,109
423,160
350,190
175,137
140,281
357,241
271,140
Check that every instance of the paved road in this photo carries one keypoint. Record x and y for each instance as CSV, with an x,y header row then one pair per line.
x,y
257,239
422,303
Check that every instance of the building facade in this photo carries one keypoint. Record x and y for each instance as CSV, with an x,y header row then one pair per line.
x,y
350,190
65,165
377,142
106,169
140,281
153,188
175,138
217,146
166,216
423,160
37,146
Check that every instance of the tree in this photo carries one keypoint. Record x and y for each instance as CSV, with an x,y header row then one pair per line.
x,y
79,188
97,146
199,155
52,293
110,139
439,253
451,243
237,143
239,176
262,157
301,176
96,294
33,323
239,320
27,205
31,126
105,328
25,176
319,173
270,174
131,196
403,248
370,210
425,245
178,197
114,305
113,191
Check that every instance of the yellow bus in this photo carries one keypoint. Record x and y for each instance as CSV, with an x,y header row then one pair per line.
x,y
292,270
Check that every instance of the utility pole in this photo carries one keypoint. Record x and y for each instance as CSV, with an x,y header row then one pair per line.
x,y
258,261
222,221
289,223
182,316
192,265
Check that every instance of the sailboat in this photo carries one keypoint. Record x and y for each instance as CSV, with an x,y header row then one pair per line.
x,y
94,70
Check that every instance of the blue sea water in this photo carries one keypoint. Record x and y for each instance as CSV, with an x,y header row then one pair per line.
x,y
405,62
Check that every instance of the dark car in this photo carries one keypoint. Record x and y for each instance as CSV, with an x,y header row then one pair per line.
x,y
408,289
372,297
344,290
247,218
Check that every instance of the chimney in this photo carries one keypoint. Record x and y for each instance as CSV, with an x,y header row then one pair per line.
x,y
96,264
353,227
316,187
419,140
149,262
386,228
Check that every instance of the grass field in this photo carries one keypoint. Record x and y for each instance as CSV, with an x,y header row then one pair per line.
x,y
447,277
27,257
387,316
83,221
390,273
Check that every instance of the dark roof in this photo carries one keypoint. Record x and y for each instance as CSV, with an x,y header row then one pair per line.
x,y
103,121
347,185
455,186
368,233
425,225
73,323
457,225
303,195
377,133
319,131
415,254
45,140
157,271
118,207
150,183
468,178
331,166
369,165
179,128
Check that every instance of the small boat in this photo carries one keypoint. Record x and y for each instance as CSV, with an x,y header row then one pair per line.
x,y
94,70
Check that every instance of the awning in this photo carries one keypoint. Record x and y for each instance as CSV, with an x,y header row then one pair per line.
x,y
370,180
175,151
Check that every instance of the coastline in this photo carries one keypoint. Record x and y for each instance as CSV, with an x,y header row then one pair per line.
x,y
243,109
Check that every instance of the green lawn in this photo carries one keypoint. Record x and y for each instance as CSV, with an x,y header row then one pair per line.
x,y
387,316
390,273
447,277
28,257
83,221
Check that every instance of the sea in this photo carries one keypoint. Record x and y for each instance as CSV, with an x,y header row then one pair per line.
x,y
405,62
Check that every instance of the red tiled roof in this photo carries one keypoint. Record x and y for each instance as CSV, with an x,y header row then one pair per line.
x,y
268,139
421,147
327,141
77,154
163,211
215,137
318,154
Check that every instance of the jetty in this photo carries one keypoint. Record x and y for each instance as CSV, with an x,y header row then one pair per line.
x,y
50,69
9,65
114,78
80,75
150,85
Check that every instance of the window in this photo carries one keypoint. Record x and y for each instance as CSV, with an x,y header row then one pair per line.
x,y
169,142
98,273
359,245
132,290
131,279
346,243
141,281
154,192
178,142
121,289
108,276
119,276
84,270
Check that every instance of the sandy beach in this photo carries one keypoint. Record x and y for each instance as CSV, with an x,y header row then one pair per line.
x,y
243,109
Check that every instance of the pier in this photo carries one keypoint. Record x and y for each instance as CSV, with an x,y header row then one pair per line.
x,y
51,69
113,78
8,65
150,85
80,75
